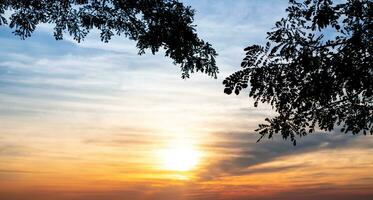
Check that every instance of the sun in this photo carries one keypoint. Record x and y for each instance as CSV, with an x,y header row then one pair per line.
x,y
180,158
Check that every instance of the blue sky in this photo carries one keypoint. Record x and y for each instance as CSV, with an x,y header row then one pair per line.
x,y
41,73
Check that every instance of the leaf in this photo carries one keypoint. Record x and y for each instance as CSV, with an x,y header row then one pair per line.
x,y
228,91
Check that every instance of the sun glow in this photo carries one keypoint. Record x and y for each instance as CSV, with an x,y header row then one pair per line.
x,y
180,156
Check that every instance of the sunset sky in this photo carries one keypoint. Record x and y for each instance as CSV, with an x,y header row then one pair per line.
x,y
96,121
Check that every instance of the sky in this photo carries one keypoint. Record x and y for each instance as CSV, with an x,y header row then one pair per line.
x,y
96,121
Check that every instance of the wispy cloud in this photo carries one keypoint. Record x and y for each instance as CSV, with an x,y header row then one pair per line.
x,y
243,155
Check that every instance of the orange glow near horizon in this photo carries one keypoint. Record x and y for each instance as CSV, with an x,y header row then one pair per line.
x,y
186,166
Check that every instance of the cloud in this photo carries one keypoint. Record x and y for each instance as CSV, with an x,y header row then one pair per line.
x,y
322,192
13,150
4,171
243,155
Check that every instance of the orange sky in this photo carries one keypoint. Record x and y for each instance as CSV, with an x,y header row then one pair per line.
x,y
59,162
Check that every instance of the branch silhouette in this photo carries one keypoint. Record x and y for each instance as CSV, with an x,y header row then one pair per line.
x,y
315,70
154,24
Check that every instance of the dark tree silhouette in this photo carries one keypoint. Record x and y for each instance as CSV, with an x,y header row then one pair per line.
x,y
152,23
316,69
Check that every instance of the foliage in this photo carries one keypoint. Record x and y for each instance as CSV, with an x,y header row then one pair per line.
x,y
316,69
152,23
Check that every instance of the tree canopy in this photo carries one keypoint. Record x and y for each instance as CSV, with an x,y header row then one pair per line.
x,y
315,70
154,24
